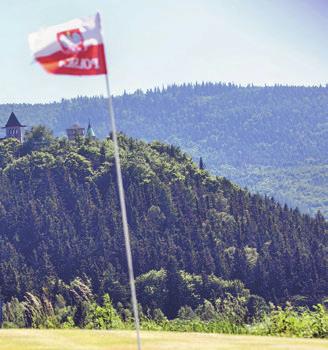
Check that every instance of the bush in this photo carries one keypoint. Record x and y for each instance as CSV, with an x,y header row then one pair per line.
x,y
103,317
14,314
320,322
186,313
291,321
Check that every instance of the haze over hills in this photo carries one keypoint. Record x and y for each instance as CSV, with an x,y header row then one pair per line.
x,y
271,139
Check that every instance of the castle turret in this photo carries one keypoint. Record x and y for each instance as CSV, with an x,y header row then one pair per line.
x,y
90,133
14,129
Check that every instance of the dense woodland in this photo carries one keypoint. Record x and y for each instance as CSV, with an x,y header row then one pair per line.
x,y
270,139
196,238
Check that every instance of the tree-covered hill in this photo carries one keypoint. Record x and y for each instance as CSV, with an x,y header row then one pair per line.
x,y
60,219
261,137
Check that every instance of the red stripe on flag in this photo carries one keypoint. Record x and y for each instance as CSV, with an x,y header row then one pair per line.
x,y
90,61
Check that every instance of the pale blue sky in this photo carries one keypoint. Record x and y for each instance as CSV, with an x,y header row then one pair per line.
x,y
159,42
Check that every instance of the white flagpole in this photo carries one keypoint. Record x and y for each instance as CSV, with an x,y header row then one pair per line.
x,y
124,216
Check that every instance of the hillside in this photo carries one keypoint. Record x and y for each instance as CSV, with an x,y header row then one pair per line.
x,y
270,139
194,236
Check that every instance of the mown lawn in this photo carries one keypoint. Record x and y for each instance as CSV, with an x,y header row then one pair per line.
x,y
30,339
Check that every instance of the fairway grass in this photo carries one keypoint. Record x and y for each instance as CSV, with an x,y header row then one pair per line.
x,y
34,339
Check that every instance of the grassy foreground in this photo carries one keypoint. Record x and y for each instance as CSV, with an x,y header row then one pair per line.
x,y
33,339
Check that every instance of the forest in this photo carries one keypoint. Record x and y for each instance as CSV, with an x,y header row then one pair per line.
x,y
272,140
199,241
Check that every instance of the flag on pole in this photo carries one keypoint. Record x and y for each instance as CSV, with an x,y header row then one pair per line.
x,y
76,48
73,48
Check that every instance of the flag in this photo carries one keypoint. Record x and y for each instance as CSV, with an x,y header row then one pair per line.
x,y
74,48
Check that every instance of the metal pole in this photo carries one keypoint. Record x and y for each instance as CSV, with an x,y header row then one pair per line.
x,y
124,216
1,313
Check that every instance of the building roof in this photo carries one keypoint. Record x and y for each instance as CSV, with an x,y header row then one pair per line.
x,y
13,121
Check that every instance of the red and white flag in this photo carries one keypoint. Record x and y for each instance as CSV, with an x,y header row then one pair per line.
x,y
74,48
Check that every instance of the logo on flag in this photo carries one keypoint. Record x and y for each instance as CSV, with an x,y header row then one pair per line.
x,y
71,41
73,48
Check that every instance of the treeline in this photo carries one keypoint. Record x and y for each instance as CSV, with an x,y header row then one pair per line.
x,y
225,123
74,305
60,219
259,137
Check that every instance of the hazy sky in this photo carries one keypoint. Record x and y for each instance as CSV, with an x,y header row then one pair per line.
x,y
158,42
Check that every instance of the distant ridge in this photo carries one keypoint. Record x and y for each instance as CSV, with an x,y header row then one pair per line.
x,y
271,139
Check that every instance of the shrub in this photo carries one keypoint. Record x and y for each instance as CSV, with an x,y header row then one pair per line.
x,y
103,317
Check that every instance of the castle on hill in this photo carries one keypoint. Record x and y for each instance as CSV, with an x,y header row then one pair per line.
x,y
14,129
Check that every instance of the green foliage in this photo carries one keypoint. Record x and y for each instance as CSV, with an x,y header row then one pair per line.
x,y
289,322
227,315
158,316
35,311
14,314
304,185
206,311
299,322
186,313
195,325
320,322
104,316
151,288
78,165
37,138
8,151
232,309
257,308
60,219
271,139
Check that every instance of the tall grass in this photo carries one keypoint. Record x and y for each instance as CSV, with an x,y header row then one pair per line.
x,y
178,325
291,322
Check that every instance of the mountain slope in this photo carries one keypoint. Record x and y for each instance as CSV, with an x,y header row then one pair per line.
x,y
254,135
59,219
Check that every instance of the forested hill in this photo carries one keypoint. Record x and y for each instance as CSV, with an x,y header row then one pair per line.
x,y
270,139
60,219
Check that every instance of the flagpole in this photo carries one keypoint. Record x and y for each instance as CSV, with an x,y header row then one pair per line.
x,y
124,216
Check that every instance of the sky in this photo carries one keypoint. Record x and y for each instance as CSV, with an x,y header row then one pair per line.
x,y
154,43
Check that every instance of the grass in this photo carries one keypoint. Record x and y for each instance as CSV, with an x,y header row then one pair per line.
x,y
33,339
